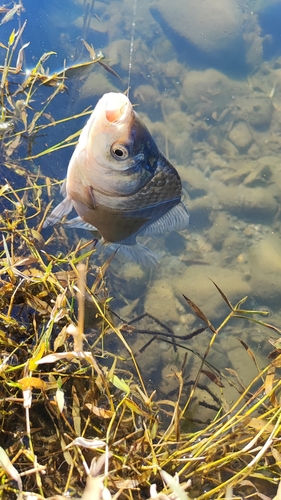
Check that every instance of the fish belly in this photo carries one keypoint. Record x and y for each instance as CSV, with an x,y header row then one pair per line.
x,y
114,226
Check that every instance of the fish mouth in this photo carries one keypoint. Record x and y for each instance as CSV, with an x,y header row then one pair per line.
x,y
116,107
112,108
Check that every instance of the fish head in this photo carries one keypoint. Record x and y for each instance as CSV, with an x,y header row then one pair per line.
x,y
116,154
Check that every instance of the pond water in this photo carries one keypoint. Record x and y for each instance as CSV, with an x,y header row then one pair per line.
x,y
208,87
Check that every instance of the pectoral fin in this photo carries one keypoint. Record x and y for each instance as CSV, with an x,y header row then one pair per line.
x,y
176,219
59,212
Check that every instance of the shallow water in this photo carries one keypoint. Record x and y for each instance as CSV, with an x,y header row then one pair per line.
x,y
216,115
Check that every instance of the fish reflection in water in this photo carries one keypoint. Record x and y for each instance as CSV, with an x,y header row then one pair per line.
x,y
120,183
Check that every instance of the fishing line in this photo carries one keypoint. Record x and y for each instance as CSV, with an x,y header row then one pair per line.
x,y
132,45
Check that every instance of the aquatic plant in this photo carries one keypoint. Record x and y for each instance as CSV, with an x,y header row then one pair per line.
x,y
70,408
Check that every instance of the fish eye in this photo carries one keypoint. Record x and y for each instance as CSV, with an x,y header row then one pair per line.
x,y
119,151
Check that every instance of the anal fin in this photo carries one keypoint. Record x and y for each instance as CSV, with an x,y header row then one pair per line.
x,y
137,253
79,223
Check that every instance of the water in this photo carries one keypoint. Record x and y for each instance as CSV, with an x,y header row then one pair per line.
x,y
213,106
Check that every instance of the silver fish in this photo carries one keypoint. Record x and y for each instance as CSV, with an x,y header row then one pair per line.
x,y
120,183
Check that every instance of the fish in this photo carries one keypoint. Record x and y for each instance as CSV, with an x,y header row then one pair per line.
x,y
120,183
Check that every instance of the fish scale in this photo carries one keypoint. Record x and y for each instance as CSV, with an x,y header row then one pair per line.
x,y
165,186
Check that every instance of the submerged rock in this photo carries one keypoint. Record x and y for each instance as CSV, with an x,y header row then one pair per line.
x,y
241,136
219,230
196,285
265,171
253,204
210,91
92,85
256,110
196,181
265,267
160,301
212,27
165,302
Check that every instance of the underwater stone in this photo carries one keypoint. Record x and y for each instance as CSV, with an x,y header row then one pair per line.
x,y
195,179
200,208
240,136
115,53
231,250
210,91
272,164
265,268
160,301
147,93
93,85
263,172
219,230
213,27
254,204
256,110
195,284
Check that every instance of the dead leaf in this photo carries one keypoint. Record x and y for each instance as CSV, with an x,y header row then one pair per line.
x,y
258,424
199,313
223,295
214,378
100,412
32,383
